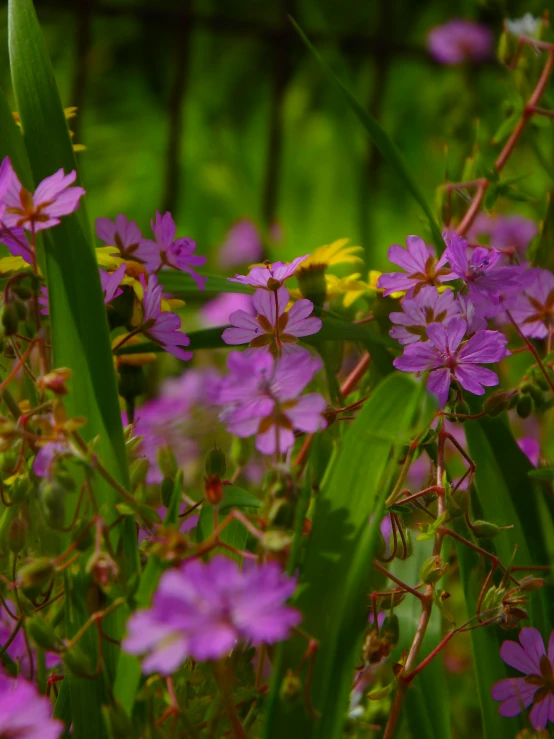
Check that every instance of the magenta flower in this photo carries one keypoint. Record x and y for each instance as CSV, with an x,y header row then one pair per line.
x,y
450,359
459,41
5,178
18,648
489,285
531,448
111,282
533,310
16,241
261,396
428,306
160,326
202,610
242,245
25,713
467,311
46,457
270,276
509,234
42,209
216,312
127,237
171,252
422,268
537,687
273,327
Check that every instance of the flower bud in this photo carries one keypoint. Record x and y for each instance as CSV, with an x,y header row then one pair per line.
x,y
485,529
213,489
167,491
16,535
241,451
22,291
132,381
275,540
525,406
38,572
312,284
530,583
138,471
291,687
167,462
432,570
9,319
42,633
497,403
55,381
20,309
215,462
20,489
393,599
77,661
390,630
463,409
52,502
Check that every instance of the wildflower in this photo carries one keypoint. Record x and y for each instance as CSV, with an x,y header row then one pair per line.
x,y
428,306
172,252
24,713
488,284
16,241
526,26
459,41
510,235
161,326
111,282
202,610
531,448
46,457
537,687
450,359
338,252
422,268
42,209
273,327
466,310
216,312
351,287
18,648
260,396
269,276
126,236
534,308
242,245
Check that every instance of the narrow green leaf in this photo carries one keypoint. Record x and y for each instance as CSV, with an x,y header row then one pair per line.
x,y
335,577
236,498
381,139
183,286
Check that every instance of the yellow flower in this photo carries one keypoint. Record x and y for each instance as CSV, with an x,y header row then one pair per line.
x,y
352,287
331,254
12,264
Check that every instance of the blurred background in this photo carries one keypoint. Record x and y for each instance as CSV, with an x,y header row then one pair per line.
x,y
214,110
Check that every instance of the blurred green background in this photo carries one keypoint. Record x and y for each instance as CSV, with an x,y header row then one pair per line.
x,y
213,109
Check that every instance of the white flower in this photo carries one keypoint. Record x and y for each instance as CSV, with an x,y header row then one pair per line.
x,y
526,26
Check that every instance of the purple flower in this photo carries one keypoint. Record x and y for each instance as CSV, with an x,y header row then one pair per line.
x,y
48,454
242,245
509,234
273,328
202,610
16,241
261,397
531,448
536,687
270,276
450,359
428,306
18,648
160,326
216,312
42,209
24,713
533,310
111,282
488,284
127,237
172,252
466,310
422,268
459,41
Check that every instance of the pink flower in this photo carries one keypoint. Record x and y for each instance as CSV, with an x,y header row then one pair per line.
x,y
459,41
450,359
216,312
111,282
273,327
534,308
25,713
270,276
418,312
160,326
42,209
242,245
422,268
536,688
169,251
127,237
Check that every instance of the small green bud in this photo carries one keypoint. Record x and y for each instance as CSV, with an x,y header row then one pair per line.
x,y
66,480
527,388
312,284
463,409
215,462
241,451
291,687
390,630
16,535
530,583
514,400
497,403
132,381
9,318
541,381
525,406
167,491
42,633
138,472
485,529
432,570
167,462
52,502
391,600
37,572
22,291
20,489
20,309
77,661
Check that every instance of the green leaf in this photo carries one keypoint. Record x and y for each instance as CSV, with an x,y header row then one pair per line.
x,y
236,498
544,473
381,139
183,286
336,577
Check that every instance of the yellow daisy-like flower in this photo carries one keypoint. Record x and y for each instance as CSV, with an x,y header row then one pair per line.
x,y
353,287
12,264
331,254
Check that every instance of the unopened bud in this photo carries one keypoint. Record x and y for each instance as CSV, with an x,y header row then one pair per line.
x,y
16,535
213,489
390,630
497,403
312,284
530,583
20,309
215,462
9,318
485,529
291,687
77,661
391,600
55,381
20,489
167,462
432,570
52,502
138,471
22,291
42,633
36,573
167,491
132,381
525,406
